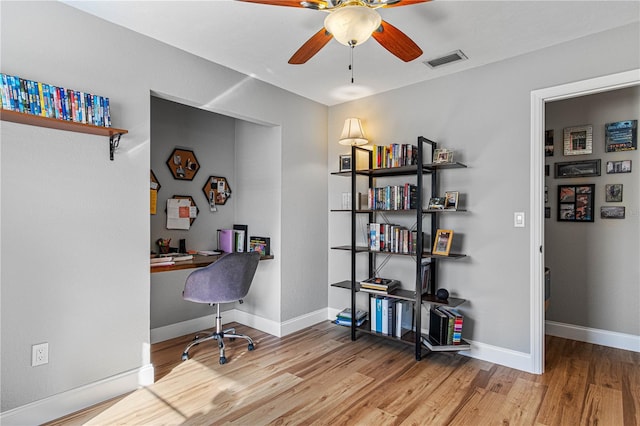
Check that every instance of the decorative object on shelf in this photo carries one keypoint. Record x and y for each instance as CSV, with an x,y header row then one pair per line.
x,y
575,169
345,163
442,242
442,155
451,200
437,203
623,166
163,245
621,136
183,164
613,192
442,294
217,191
612,212
181,212
575,203
548,143
578,140
352,133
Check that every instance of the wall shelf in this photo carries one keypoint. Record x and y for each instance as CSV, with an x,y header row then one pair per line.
x,y
69,126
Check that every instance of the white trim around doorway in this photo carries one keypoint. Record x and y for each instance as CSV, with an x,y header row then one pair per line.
x,y
536,261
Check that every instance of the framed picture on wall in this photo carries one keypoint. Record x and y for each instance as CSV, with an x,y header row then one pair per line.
x,y
571,169
578,140
612,212
613,192
623,166
548,143
621,136
575,203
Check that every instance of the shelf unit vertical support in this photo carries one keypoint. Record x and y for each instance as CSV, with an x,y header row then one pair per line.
x,y
353,242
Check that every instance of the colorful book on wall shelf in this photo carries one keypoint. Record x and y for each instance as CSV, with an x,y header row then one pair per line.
x,y
260,244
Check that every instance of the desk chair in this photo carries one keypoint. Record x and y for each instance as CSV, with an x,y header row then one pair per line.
x,y
226,280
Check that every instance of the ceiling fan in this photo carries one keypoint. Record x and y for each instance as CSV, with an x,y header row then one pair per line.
x,y
352,22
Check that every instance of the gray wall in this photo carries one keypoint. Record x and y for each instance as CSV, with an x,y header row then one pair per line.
x,y
212,139
484,115
88,295
594,266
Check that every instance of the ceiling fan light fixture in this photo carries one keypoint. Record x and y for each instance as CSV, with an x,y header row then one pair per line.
x,y
352,25
353,133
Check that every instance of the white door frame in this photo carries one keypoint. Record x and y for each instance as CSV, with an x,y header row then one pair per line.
x,y
536,264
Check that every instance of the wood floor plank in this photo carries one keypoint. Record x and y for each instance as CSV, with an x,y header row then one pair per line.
x,y
603,406
318,376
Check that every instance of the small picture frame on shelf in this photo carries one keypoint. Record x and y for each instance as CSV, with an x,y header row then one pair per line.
x,y
345,163
442,242
578,140
613,192
437,203
451,200
441,155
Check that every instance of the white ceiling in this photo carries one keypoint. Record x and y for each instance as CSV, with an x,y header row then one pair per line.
x,y
258,40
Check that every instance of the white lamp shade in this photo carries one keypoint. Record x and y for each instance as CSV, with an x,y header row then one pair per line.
x,y
352,133
352,25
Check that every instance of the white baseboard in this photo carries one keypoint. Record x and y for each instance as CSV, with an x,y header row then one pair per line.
x,y
628,342
64,403
274,328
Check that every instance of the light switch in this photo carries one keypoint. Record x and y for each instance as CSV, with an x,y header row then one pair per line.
x,y
518,219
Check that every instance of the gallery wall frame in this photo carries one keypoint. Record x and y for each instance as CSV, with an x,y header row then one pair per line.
x,y
622,166
575,202
572,169
578,140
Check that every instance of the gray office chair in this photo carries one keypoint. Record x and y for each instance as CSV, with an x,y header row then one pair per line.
x,y
226,280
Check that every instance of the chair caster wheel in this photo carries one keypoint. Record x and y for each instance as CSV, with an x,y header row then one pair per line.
x,y
223,360
250,347
185,356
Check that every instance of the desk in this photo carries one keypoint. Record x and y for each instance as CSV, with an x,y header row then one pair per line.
x,y
170,315
198,261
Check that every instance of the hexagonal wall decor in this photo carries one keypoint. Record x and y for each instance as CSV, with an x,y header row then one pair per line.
x,y
183,164
216,189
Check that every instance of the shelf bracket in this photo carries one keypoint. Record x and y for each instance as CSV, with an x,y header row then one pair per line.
x,y
114,142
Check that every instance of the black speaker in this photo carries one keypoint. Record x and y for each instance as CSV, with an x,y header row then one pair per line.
x,y
442,294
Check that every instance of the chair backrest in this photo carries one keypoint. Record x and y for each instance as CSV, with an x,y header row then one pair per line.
x,y
226,280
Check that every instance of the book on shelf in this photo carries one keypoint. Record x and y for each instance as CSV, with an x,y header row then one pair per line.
x,y
260,244
394,155
434,346
404,317
46,100
226,240
344,317
241,232
384,287
445,325
392,197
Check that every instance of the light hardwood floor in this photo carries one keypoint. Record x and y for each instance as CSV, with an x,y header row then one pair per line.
x,y
318,376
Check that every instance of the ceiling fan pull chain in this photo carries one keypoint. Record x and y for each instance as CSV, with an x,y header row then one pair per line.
x,y
351,64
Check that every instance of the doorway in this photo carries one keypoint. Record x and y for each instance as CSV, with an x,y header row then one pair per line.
x,y
538,100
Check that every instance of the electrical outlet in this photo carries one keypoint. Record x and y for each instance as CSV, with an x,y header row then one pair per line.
x,y
39,354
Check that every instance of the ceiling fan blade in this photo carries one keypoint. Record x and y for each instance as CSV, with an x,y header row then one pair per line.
x,y
399,3
396,42
311,47
290,3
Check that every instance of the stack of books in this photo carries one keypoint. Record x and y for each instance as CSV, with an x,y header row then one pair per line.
x,y
391,317
46,100
344,317
445,326
379,285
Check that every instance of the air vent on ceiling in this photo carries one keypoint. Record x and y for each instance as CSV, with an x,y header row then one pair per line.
x,y
446,59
